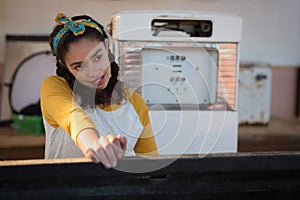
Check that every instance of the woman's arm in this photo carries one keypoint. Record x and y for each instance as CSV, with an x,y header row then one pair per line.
x,y
61,110
146,144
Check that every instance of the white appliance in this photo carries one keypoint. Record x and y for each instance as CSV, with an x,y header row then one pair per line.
x,y
185,66
255,86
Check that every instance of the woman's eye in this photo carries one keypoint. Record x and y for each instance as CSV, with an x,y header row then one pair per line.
x,y
98,58
77,68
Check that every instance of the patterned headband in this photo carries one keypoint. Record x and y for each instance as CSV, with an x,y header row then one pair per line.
x,y
77,27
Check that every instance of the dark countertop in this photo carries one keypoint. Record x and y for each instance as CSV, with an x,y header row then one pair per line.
x,y
219,176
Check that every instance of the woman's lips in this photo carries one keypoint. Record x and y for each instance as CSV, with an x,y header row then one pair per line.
x,y
101,80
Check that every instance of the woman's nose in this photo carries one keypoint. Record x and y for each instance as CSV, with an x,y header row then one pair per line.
x,y
94,71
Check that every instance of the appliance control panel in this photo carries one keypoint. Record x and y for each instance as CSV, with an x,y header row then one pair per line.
x,y
179,75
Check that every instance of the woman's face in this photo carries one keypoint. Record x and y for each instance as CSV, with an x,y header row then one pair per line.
x,y
88,61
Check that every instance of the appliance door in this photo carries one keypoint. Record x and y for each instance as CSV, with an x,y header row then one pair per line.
x,y
193,132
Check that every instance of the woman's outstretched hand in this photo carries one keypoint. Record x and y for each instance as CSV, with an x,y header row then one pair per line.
x,y
107,150
104,149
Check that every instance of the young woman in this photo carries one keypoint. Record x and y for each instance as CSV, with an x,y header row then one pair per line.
x,y
87,111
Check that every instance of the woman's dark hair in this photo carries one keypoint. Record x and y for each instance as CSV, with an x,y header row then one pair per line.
x,y
113,93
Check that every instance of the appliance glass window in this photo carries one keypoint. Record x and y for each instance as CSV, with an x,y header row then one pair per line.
x,y
181,28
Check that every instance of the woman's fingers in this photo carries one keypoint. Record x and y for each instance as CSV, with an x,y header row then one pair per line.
x,y
123,141
107,150
123,144
100,154
91,154
105,159
116,145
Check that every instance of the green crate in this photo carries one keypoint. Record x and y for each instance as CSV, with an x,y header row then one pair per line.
x,y
30,124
